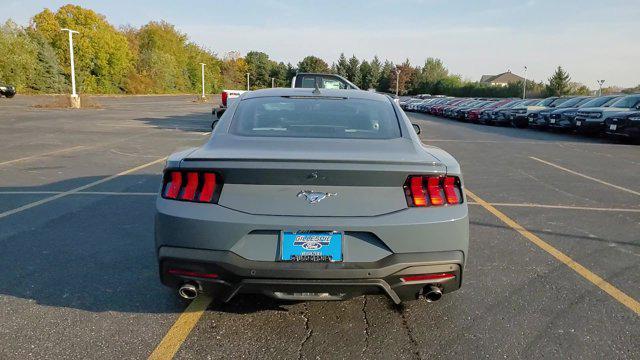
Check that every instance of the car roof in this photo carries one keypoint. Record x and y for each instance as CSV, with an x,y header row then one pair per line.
x,y
346,93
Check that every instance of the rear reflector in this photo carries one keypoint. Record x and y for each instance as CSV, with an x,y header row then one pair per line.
x,y
196,186
181,272
426,277
441,190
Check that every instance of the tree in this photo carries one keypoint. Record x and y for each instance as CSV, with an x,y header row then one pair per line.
x,y
365,76
102,55
279,72
313,64
384,82
406,77
353,73
259,69
342,66
376,69
559,83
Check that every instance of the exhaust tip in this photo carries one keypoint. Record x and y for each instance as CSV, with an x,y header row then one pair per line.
x,y
188,291
432,293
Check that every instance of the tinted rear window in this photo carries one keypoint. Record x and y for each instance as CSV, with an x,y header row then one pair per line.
x,y
315,117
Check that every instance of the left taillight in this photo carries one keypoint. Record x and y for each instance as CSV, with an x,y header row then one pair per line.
x,y
192,185
423,191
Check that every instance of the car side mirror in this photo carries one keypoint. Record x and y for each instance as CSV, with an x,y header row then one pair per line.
x,y
416,128
638,106
214,123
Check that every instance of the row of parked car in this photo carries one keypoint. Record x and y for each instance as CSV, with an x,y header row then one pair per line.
x,y
613,115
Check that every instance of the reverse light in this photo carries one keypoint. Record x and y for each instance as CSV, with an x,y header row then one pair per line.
x,y
427,277
422,191
196,186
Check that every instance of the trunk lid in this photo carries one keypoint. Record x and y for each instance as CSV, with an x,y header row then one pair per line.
x,y
313,177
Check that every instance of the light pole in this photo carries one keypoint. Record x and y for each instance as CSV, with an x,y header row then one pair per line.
x,y
273,82
203,64
247,81
397,81
600,83
75,100
524,87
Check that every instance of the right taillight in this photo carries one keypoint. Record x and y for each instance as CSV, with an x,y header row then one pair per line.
x,y
196,186
225,96
422,191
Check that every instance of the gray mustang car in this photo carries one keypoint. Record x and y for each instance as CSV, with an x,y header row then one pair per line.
x,y
312,194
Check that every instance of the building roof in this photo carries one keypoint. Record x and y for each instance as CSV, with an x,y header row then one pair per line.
x,y
504,78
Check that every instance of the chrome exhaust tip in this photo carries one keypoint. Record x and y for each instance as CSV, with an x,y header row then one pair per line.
x,y
432,293
188,291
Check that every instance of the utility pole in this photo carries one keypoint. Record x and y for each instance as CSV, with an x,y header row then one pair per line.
x,y
273,82
600,83
247,81
203,64
524,87
397,81
75,100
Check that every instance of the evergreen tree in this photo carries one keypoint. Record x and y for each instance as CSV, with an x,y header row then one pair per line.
x,y
353,73
365,76
376,68
313,64
559,83
342,65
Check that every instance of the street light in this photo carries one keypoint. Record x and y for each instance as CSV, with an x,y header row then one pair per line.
x,y
397,81
247,81
600,83
203,64
75,101
273,82
524,87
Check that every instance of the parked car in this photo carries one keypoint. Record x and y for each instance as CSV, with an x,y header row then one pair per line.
x,y
591,121
489,116
520,115
7,91
227,98
534,114
540,120
564,118
307,195
625,125
473,115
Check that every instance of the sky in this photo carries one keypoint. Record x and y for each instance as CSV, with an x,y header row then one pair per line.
x,y
591,39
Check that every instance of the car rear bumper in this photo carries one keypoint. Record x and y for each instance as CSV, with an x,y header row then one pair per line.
x,y
310,281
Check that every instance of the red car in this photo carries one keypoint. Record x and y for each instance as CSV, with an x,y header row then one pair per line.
x,y
474,114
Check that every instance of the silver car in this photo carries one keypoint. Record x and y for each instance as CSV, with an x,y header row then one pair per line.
x,y
312,194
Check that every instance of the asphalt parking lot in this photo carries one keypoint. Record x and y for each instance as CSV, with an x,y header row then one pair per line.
x,y
554,267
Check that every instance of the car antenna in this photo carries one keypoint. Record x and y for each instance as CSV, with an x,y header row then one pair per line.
x,y
316,91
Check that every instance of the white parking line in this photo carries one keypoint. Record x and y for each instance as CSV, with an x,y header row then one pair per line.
x,y
586,176
42,154
78,189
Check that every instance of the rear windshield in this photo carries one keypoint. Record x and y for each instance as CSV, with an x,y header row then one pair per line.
x,y
315,117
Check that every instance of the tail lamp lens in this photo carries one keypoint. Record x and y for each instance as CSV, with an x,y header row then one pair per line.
x,y
225,96
424,191
194,186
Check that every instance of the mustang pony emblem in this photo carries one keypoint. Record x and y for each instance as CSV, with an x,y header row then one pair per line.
x,y
314,197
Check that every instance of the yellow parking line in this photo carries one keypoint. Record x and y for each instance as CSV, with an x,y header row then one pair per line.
x,y
78,189
564,207
620,296
585,176
43,154
178,333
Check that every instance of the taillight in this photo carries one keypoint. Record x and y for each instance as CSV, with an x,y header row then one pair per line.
x,y
424,191
225,95
197,186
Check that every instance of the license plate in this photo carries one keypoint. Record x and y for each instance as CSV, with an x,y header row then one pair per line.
x,y
613,127
552,121
578,123
312,246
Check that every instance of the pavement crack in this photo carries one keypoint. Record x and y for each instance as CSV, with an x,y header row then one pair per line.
x,y
366,327
412,339
308,330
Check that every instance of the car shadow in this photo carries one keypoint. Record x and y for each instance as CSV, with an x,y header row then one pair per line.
x,y
94,250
